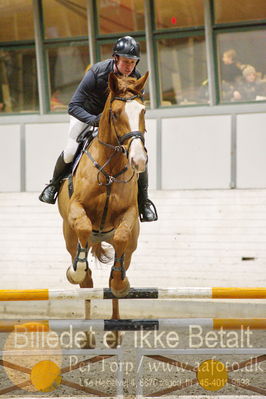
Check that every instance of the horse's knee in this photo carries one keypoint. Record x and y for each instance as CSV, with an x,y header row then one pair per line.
x,y
122,235
80,222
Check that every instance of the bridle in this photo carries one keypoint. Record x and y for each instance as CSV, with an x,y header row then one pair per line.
x,y
119,148
136,134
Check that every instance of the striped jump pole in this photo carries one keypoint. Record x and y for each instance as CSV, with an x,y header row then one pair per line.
x,y
135,293
129,324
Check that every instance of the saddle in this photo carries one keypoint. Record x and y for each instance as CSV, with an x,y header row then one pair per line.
x,y
84,139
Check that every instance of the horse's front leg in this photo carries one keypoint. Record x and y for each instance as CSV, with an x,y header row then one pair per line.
x,y
79,272
124,243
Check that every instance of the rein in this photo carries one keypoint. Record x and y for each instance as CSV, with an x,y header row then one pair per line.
x,y
120,148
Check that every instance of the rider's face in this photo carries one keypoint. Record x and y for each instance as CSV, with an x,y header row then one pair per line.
x,y
126,65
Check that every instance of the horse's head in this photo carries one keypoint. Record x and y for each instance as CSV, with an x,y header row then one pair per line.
x,y
127,117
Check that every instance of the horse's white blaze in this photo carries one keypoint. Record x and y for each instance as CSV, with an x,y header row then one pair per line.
x,y
137,155
133,110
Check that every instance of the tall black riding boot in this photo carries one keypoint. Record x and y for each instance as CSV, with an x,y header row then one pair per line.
x,y
49,194
147,210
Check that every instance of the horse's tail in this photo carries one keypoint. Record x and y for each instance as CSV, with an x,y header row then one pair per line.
x,y
102,254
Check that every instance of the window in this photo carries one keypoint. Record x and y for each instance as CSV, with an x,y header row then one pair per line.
x,y
242,68
238,36
182,71
18,81
67,18
178,13
18,73
120,16
239,10
16,20
67,65
67,61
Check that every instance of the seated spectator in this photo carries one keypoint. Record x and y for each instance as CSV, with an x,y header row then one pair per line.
x,y
226,92
251,87
230,67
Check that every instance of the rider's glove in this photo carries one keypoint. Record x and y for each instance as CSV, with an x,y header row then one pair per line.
x,y
96,121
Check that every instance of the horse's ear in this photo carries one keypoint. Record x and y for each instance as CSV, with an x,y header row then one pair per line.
x,y
113,82
141,82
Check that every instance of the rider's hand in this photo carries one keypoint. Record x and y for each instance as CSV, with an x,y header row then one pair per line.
x,y
96,121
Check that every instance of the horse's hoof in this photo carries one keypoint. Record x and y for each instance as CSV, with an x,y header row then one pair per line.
x,y
75,277
114,339
120,292
87,282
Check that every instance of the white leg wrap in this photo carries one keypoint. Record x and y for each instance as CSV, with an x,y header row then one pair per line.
x,y
78,275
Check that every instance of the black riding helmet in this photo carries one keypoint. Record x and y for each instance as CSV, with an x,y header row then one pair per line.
x,y
127,46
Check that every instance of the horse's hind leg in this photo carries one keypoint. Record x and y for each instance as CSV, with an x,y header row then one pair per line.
x,y
89,342
114,338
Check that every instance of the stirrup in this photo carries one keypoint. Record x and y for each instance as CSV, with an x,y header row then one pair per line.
x,y
151,205
51,200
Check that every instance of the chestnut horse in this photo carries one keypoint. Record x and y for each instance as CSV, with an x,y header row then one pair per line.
x,y
103,206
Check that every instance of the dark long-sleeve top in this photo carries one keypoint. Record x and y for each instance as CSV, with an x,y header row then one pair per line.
x,y
91,94
250,90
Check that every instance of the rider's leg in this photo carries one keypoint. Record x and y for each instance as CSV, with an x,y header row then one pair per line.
x,y
147,210
63,163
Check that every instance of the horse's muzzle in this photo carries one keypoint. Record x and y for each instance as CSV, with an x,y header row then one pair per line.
x,y
137,156
138,167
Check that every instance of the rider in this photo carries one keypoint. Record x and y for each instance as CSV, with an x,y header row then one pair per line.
x,y
85,109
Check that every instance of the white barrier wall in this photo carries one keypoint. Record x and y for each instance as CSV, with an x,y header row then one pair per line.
x,y
196,152
251,151
188,152
44,143
151,145
10,160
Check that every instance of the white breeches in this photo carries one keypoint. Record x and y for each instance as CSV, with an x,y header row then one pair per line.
x,y
75,128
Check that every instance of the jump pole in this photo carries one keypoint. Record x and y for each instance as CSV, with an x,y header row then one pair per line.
x,y
129,324
135,293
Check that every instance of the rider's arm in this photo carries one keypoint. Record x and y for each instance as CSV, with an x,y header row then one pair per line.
x,y
82,93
